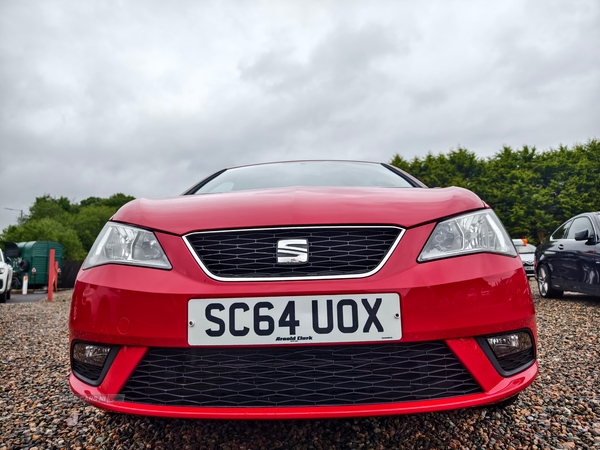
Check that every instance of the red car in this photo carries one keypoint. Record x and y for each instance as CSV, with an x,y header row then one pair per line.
x,y
304,289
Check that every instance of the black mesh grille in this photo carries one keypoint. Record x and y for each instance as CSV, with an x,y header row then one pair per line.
x,y
332,251
513,362
298,376
88,371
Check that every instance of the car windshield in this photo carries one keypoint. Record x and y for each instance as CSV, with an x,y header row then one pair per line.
x,y
305,174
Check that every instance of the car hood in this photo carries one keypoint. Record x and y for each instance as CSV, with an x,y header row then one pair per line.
x,y
405,207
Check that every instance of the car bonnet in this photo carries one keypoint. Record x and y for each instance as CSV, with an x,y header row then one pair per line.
x,y
405,207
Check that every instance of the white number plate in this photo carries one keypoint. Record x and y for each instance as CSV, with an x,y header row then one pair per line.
x,y
294,319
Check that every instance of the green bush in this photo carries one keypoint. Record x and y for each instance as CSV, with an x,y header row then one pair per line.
x,y
74,225
532,192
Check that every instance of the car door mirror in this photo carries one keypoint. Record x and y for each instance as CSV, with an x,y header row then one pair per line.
x,y
585,235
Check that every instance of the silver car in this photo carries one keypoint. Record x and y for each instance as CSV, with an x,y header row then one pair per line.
x,y
527,253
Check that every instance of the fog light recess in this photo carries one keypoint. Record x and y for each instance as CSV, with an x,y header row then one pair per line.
x,y
510,353
90,362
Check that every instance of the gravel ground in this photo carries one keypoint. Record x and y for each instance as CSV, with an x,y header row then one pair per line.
x,y
560,410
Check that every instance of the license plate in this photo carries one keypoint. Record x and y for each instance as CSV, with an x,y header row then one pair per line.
x,y
294,319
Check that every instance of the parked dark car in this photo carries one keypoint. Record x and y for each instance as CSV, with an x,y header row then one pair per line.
x,y
570,259
527,254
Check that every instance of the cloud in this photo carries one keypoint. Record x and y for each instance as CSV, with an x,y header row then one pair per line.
x,y
147,98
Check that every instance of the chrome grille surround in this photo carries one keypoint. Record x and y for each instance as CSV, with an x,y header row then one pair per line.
x,y
400,232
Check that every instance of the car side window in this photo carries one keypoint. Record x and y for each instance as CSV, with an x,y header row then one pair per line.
x,y
580,224
560,231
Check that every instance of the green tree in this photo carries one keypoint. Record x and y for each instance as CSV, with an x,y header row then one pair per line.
x,y
532,192
47,229
507,184
460,168
117,200
74,225
50,207
88,223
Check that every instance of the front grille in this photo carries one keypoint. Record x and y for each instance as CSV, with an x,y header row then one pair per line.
x,y
298,376
332,251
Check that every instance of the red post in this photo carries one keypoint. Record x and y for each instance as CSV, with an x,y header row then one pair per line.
x,y
51,274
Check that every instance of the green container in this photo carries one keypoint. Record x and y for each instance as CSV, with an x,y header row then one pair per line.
x,y
38,254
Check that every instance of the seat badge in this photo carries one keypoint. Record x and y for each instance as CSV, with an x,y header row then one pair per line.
x,y
292,251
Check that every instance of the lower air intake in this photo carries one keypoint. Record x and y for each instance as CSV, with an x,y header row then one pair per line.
x,y
298,376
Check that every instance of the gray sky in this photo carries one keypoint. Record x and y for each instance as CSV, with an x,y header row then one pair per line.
x,y
148,97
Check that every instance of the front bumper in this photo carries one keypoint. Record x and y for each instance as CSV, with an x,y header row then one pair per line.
x,y
451,301
498,390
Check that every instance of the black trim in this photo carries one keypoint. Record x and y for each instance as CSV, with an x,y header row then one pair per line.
x,y
407,176
487,349
197,186
109,360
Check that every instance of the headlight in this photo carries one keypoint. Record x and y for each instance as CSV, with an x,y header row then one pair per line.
x,y
123,244
479,232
